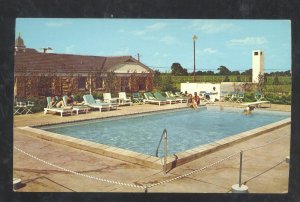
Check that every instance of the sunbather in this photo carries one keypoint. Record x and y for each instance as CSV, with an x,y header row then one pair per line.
x,y
55,103
70,100
192,102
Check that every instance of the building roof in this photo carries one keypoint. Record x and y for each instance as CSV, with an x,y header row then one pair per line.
x,y
32,60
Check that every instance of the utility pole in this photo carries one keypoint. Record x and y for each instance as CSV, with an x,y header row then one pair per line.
x,y
194,40
138,56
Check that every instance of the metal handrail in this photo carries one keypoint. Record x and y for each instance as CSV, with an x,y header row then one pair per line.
x,y
165,135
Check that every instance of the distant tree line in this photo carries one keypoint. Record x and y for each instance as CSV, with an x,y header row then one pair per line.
x,y
178,70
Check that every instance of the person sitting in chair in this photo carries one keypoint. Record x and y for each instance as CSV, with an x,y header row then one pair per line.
x,y
55,103
70,100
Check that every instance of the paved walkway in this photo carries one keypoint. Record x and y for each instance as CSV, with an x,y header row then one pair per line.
x,y
264,168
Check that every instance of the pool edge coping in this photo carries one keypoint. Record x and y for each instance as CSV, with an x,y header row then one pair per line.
x,y
151,161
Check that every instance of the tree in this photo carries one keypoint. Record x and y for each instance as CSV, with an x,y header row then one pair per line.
x,y
235,73
238,78
166,84
261,83
276,81
224,70
177,69
226,79
156,79
247,72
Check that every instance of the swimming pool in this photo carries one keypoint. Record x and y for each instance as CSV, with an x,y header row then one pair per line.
x,y
186,128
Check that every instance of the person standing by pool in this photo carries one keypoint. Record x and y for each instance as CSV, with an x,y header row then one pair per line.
x,y
214,94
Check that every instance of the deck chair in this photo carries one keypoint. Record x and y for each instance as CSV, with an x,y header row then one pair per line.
x,y
123,100
258,96
107,98
77,108
91,102
61,110
137,98
232,97
240,97
170,95
149,98
159,96
224,96
19,108
29,107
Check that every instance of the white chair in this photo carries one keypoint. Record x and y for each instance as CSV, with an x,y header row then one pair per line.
x,y
123,99
29,107
107,98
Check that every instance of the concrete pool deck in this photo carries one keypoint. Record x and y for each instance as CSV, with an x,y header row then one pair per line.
x,y
261,166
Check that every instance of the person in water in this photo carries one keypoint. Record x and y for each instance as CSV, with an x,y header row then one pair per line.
x,y
248,110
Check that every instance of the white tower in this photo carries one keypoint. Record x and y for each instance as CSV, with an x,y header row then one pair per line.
x,y
257,64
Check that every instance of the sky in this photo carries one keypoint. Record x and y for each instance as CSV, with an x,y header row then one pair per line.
x,y
162,42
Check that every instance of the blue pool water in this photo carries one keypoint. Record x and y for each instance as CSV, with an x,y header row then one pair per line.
x,y
186,128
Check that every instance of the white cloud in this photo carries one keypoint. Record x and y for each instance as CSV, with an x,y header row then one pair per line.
x,y
248,41
209,50
156,26
69,49
58,24
150,28
169,40
139,32
212,27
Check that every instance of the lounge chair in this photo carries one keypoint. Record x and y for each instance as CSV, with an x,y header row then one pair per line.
x,y
107,98
149,98
239,98
177,98
259,96
137,98
19,108
91,102
232,97
159,96
77,108
61,110
123,100
224,96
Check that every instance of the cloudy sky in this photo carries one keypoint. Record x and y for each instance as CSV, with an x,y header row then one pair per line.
x,y
161,42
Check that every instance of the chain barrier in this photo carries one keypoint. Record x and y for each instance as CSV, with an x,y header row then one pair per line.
x,y
263,145
80,174
146,187
190,173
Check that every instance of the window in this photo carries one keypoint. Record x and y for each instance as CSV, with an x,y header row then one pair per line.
x,y
124,84
99,83
255,53
81,83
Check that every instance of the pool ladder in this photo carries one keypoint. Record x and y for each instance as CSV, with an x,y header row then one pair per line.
x,y
164,136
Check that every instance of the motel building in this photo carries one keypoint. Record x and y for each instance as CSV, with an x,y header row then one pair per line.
x,y
39,74
257,69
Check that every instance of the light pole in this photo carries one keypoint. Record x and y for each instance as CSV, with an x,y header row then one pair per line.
x,y
194,40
